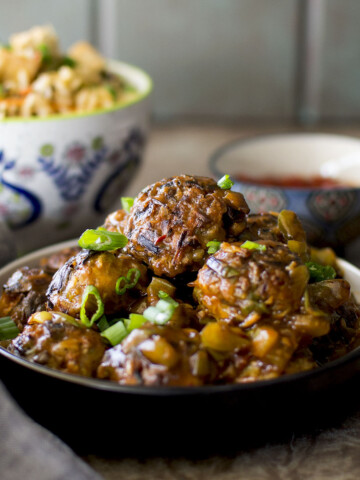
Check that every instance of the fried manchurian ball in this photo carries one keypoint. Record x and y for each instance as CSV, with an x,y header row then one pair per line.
x,y
116,221
172,220
24,293
101,270
51,340
241,285
158,355
52,263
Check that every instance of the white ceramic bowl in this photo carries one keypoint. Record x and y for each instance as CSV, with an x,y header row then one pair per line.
x,y
63,173
331,216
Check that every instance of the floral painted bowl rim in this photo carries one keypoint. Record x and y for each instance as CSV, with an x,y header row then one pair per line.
x,y
216,156
113,65
351,272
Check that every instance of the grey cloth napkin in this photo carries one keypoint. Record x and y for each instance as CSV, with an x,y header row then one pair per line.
x,y
30,452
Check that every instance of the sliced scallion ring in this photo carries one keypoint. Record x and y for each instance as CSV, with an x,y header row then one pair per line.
x,y
8,329
162,312
103,324
91,291
102,240
225,182
116,333
135,321
130,281
121,285
163,294
132,277
253,246
213,246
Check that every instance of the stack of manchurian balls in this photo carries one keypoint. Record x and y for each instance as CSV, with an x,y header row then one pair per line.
x,y
184,287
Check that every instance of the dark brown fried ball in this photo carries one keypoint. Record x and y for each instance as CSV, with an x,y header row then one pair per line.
x,y
58,344
101,270
24,293
238,284
172,221
116,221
158,355
55,261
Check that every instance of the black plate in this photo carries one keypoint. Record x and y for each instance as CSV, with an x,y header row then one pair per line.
x,y
97,416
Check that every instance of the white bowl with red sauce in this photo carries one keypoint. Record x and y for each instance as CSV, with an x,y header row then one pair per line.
x,y
317,175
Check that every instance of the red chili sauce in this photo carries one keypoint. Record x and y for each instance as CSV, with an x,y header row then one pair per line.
x,y
293,181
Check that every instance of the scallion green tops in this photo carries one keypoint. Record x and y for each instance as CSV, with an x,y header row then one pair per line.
x,y
225,182
253,246
8,329
127,203
213,246
102,240
319,272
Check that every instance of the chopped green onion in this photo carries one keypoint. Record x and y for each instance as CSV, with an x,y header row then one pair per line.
x,y
253,246
163,294
103,324
90,290
225,182
213,246
45,52
116,333
2,91
162,312
120,281
112,321
135,274
130,281
127,203
135,321
8,329
112,92
102,240
319,272
68,62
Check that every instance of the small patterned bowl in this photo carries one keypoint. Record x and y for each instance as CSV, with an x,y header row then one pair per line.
x,y
331,216
64,173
